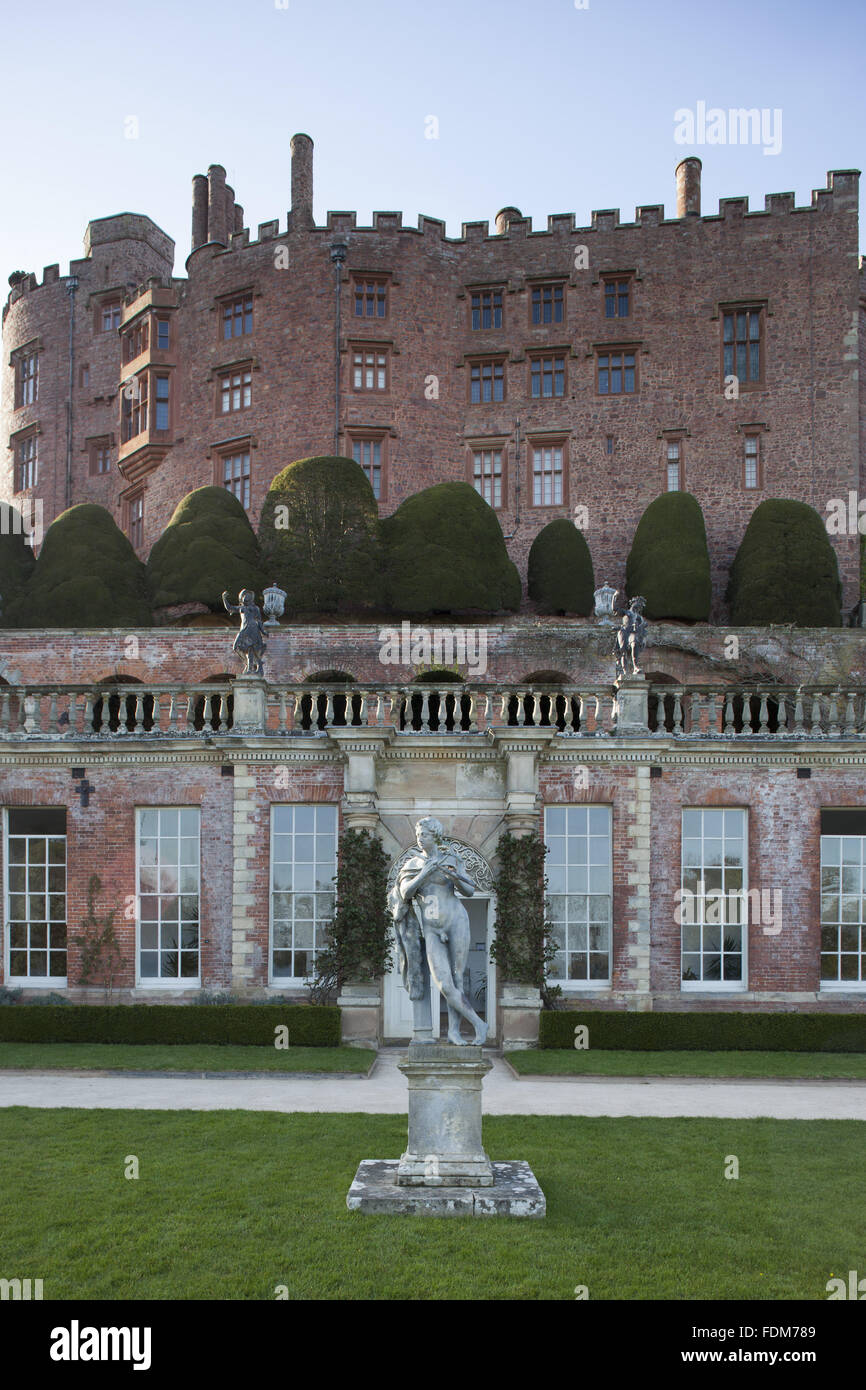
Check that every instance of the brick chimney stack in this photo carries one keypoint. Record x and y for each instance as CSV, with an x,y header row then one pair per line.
x,y
302,182
689,187
199,211
217,205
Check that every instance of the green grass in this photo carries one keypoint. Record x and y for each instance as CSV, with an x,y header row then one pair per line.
x,y
594,1061
232,1204
183,1057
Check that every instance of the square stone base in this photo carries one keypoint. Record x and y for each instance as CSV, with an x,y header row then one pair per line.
x,y
515,1192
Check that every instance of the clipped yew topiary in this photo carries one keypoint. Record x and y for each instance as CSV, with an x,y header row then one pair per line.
x,y
445,552
669,562
208,546
560,572
16,559
319,536
87,575
785,570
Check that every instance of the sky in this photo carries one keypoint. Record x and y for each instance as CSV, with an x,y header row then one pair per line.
x,y
453,108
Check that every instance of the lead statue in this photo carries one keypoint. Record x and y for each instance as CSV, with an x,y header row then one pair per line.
x,y
432,929
631,636
250,641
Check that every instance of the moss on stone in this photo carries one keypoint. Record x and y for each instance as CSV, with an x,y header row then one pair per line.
x,y
785,570
669,562
319,536
16,559
87,575
560,573
207,546
445,552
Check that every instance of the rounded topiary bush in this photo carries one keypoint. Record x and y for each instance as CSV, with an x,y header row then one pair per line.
x,y
785,570
445,552
319,536
560,573
208,546
16,559
669,562
87,575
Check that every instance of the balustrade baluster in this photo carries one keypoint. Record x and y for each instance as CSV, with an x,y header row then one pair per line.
x,y
473,712
782,715
849,712
156,715
678,713
763,714
816,715
833,716
729,714
799,726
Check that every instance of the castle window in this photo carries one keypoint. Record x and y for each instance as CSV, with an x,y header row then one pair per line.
x,y
135,520
580,888
371,298
370,369
169,886
486,309
303,867
135,341
713,905
36,901
235,391
547,304
487,475
548,488
674,476
609,444
617,374
752,461
109,316
617,296
486,382
26,462
162,335
84,375
236,476
237,316
99,455
742,344
134,408
547,377
369,451
161,403
26,378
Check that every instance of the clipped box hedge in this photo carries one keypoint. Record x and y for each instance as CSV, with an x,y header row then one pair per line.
x,y
309,1025
706,1032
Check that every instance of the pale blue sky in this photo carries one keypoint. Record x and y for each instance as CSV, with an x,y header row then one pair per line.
x,y
539,104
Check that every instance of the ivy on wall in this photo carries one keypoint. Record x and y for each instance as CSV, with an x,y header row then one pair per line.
x,y
523,948
359,946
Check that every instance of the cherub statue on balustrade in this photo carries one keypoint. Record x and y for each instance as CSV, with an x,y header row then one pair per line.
x,y
631,636
250,641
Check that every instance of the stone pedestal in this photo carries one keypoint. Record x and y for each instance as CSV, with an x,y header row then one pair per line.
x,y
520,1006
631,706
360,1011
445,1171
445,1148
250,711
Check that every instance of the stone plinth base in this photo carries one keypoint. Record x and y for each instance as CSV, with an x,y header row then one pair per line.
x,y
631,706
250,709
445,1148
513,1192
360,1009
520,1008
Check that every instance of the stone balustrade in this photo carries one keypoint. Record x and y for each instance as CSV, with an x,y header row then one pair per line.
x,y
735,711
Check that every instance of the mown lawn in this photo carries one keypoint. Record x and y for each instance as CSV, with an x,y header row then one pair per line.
x,y
196,1057
594,1061
233,1204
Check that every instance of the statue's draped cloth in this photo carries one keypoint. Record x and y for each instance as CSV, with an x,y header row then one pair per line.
x,y
411,950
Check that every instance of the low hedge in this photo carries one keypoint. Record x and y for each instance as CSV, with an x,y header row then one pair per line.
x,y
710,1032
252,1024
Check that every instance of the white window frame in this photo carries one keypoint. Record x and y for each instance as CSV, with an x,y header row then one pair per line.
x,y
157,982
295,981
842,986
740,986
52,982
582,986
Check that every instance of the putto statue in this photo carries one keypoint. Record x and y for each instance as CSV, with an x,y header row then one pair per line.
x,y
250,641
432,929
631,635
